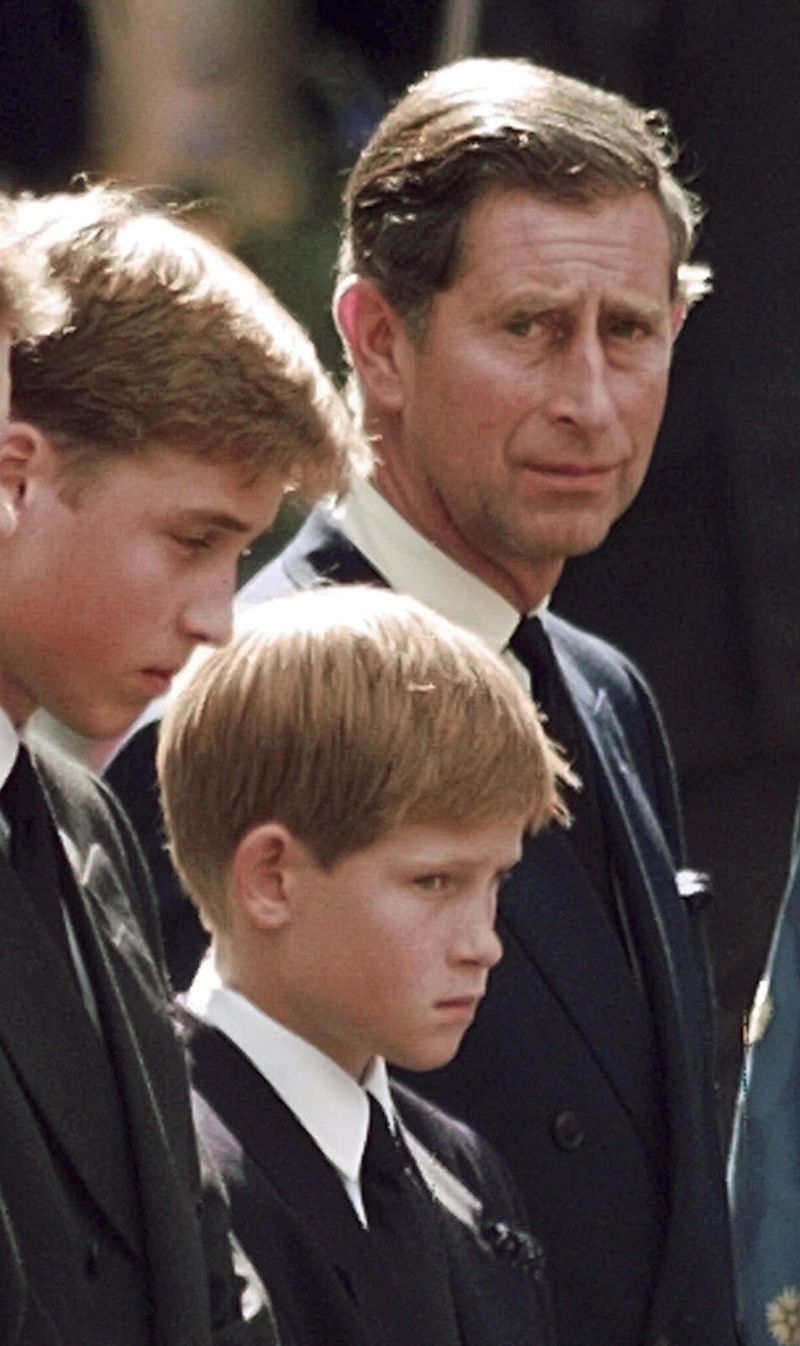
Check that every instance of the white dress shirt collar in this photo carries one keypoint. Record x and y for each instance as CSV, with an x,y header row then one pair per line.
x,y
9,747
327,1102
413,565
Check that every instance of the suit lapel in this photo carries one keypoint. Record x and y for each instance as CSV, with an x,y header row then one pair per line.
x,y
270,1134
60,1059
638,854
152,1085
321,551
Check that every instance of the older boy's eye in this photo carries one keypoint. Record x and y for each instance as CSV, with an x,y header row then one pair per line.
x,y
194,542
433,883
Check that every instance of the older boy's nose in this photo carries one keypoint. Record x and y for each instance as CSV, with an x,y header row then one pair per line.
x,y
208,617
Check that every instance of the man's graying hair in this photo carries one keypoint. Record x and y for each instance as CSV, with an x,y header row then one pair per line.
x,y
482,124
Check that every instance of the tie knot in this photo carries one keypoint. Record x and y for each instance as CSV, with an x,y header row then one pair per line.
x,y
383,1153
531,645
21,797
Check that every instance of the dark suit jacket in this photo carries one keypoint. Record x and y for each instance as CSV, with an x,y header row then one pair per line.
x,y
294,1219
112,1235
595,1089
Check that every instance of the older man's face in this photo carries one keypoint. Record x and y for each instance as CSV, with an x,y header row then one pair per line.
x,y
5,382
528,414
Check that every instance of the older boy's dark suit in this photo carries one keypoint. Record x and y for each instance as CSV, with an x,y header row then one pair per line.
x,y
592,1079
111,1234
295,1221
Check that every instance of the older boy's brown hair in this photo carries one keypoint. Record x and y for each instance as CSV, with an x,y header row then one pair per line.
x,y
344,713
32,302
173,344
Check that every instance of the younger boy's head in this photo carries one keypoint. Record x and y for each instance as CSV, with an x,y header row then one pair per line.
x,y
344,788
153,438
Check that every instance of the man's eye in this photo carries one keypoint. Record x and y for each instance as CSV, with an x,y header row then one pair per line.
x,y
627,329
522,324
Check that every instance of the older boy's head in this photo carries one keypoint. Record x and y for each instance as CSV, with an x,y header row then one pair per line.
x,y
344,787
173,344
32,302
153,439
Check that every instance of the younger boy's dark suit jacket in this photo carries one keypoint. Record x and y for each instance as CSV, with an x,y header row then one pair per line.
x,y
295,1221
109,1234
593,1081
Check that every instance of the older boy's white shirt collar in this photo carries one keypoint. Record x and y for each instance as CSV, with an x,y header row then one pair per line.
x,y
328,1102
9,747
411,564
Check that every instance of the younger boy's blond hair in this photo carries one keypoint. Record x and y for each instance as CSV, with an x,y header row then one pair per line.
x,y
344,713
172,344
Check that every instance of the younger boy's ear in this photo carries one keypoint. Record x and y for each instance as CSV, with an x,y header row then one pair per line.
x,y
258,875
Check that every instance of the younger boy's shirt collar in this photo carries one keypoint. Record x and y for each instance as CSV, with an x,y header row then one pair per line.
x,y
330,1105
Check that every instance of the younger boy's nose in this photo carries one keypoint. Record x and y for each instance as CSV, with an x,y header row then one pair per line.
x,y
480,944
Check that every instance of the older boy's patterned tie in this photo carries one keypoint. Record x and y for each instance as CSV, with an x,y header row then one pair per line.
x,y
34,845
404,1227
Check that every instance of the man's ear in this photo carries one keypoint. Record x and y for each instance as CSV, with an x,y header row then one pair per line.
x,y
258,877
375,336
24,451
677,316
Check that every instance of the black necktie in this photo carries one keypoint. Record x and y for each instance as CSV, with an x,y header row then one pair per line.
x,y
35,851
404,1228
531,645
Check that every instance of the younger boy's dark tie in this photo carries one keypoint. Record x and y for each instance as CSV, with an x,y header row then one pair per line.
x,y
404,1227
34,848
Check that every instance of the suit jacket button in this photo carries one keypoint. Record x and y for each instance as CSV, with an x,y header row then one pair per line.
x,y
567,1130
91,1258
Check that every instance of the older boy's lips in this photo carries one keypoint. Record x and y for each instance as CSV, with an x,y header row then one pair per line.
x,y
158,679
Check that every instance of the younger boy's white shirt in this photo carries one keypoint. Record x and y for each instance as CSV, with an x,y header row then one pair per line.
x,y
327,1102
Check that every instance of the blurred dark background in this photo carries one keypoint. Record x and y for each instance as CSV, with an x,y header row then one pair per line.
x,y
261,105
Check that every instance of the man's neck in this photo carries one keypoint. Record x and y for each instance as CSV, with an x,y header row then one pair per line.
x,y
524,585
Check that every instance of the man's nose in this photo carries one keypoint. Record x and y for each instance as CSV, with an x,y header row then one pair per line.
x,y
580,393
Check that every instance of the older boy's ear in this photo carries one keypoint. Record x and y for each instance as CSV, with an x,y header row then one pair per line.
x,y
258,874
24,451
375,337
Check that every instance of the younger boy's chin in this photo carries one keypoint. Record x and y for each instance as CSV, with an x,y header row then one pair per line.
x,y
424,1059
